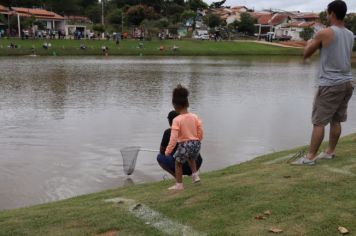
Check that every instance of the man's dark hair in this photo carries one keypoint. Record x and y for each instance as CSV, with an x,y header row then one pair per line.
x,y
180,97
339,8
171,116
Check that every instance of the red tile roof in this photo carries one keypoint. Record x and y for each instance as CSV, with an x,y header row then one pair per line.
x,y
37,13
4,10
306,15
278,19
269,18
262,18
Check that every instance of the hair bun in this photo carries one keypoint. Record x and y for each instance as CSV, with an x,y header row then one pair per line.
x,y
180,91
180,96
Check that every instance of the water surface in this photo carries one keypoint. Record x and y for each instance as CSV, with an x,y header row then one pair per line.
x,y
63,121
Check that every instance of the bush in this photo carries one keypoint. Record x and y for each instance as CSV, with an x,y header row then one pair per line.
x,y
307,33
99,28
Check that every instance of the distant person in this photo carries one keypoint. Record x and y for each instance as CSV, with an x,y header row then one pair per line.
x,y
187,132
105,50
33,50
334,81
175,48
12,45
168,163
46,45
118,38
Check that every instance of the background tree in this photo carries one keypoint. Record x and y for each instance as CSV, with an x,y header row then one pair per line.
x,y
114,18
136,14
162,23
194,5
212,20
179,2
217,4
87,3
99,28
350,22
322,18
22,3
246,24
233,27
188,14
93,12
307,33
27,22
2,19
64,7
173,12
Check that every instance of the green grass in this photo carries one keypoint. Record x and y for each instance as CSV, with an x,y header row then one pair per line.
x,y
151,48
311,201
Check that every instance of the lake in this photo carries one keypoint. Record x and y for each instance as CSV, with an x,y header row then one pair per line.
x,y
63,121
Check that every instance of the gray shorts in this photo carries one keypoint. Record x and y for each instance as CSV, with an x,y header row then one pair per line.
x,y
330,104
188,150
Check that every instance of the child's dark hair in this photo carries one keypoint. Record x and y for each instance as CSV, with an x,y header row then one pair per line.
x,y
180,97
171,116
339,8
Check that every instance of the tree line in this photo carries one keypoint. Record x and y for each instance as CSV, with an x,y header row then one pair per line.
x,y
135,10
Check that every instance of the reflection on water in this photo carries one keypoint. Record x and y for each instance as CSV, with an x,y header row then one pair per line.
x,y
64,121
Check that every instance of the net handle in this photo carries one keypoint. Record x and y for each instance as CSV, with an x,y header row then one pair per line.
x,y
148,150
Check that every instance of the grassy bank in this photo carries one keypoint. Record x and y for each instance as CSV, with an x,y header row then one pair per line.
x,y
151,48
302,200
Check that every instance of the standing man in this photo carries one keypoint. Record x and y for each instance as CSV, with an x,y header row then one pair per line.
x,y
334,82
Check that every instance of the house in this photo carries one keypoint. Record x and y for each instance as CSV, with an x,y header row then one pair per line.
x,y
229,14
269,21
3,11
51,20
294,29
75,24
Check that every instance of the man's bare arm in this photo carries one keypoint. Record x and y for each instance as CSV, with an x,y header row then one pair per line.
x,y
313,45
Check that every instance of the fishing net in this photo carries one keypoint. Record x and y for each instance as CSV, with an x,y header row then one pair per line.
x,y
129,157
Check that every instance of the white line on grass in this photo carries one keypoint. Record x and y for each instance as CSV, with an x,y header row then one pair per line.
x,y
344,170
155,219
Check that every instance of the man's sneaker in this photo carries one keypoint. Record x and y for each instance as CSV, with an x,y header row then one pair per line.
x,y
325,156
303,161
195,178
177,186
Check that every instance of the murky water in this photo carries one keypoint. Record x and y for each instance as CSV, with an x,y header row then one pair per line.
x,y
63,121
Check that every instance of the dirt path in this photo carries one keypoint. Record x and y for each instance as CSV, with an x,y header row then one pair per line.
x,y
284,45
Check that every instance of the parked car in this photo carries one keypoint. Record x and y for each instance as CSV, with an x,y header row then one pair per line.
x,y
201,37
284,38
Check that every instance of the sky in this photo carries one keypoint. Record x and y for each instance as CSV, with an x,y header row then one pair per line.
x,y
288,5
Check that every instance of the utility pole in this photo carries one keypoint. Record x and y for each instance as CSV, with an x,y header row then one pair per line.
x,y
102,17
8,25
122,22
102,13
19,25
